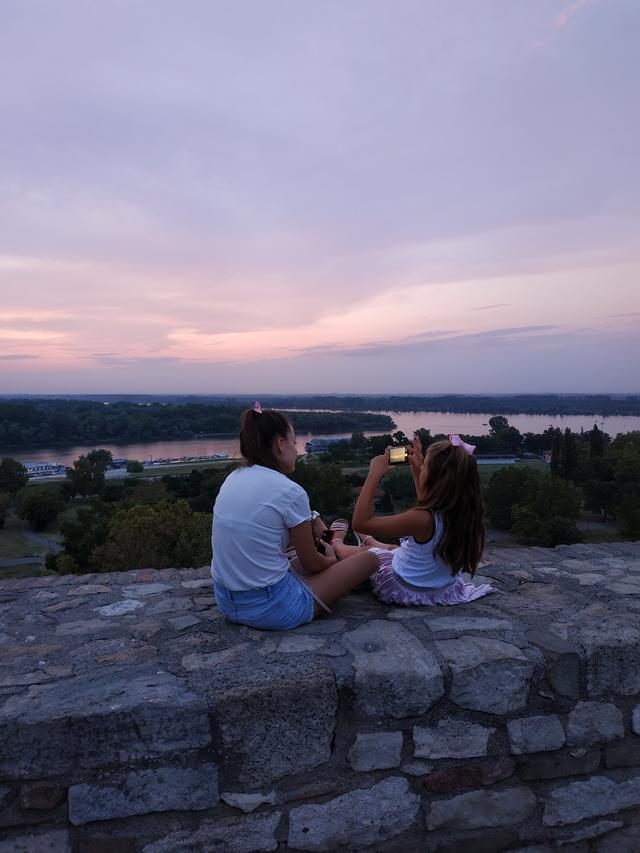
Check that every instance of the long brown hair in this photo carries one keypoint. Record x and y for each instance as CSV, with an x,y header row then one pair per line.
x,y
452,488
258,431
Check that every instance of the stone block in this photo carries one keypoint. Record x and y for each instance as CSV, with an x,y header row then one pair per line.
x,y
248,802
535,734
395,675
41,795
594,722
162,789
254,834
275,718
473,774
585,833
624,753
467,624
112,844
635,720
594,797
358,818
562,661
488,675
621,841
612,649
55,841
109,717
479,809
558,766
451,739
375,751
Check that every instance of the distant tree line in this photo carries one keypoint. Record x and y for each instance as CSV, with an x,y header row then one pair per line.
x,y
43,422
524,404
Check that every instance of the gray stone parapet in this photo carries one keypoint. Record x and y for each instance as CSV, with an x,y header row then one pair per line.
x,y
135,719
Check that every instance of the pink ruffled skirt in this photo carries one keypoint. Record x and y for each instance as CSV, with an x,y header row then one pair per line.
x,y
390,589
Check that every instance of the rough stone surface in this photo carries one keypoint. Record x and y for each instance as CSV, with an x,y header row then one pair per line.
x,y
162,789
90,693
613,657
623,753
395,674
593,798
473,774
479,809
248,802
535,734
97,720
375,751
275,718
488,675
41,795
56,841
361,817
594,722
254,834
451,739
557,766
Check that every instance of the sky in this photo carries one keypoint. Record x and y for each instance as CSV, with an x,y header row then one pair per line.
x,y
292,196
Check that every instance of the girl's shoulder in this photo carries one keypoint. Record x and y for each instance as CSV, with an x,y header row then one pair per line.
x,y
422,523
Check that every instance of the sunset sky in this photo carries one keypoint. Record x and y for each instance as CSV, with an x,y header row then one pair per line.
x,y
414,196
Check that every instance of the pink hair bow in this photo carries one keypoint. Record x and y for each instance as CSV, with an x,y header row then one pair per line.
x,y
257,408
458,442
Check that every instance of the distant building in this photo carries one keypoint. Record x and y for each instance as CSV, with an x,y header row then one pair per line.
x,y
43,469
316,445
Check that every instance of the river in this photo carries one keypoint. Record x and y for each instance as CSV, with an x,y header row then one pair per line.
x,y
437,422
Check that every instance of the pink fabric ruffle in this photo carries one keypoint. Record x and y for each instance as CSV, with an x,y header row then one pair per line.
x,y
388,587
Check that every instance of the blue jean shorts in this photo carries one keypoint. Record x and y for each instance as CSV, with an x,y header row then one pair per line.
x,y
280,607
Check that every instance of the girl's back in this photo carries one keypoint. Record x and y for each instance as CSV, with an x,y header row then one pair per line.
x,y
418,564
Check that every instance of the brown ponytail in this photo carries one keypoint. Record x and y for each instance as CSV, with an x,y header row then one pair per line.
x,y
453,489
258,431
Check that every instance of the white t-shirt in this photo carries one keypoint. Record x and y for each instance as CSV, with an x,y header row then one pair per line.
x,y
252,515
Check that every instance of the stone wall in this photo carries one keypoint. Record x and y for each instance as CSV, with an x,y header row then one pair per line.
x,y
135,719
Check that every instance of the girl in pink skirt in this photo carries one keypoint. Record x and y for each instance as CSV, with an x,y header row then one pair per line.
x,y
440,537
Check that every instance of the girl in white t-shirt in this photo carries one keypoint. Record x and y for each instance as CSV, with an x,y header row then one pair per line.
x,y
440,537
258,511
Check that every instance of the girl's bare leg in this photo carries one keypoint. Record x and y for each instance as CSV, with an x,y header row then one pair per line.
x,y
335,582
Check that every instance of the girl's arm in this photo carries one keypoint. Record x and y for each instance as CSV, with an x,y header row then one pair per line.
x,y
410,523
310,559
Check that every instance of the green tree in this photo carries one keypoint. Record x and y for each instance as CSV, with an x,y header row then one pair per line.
x,y
425,437
549,497
596,441
358,441
530,529
80,536
160,536
13,476
377,444
569,455
557,460
40,505
5,500
508,487
134,467
399,438
86,476
329,491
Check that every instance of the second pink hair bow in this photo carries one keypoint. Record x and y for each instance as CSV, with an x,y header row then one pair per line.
x,y
257,408
458,442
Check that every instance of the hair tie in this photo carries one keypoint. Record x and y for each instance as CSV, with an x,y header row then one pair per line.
x,y
458,442
257,408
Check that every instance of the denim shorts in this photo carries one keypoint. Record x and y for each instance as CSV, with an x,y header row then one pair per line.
x,y
280,607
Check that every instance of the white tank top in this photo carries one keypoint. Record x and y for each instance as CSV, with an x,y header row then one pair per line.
x,y
415,562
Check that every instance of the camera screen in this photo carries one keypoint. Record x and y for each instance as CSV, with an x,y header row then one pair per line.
x,y
397,455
